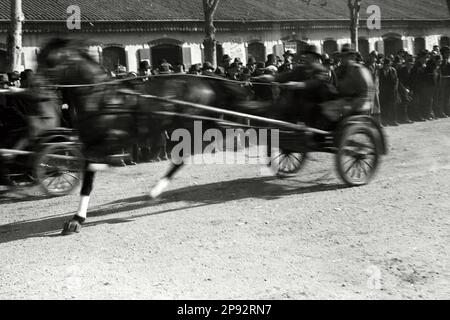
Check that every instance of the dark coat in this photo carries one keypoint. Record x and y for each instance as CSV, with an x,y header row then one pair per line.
x,y
389,86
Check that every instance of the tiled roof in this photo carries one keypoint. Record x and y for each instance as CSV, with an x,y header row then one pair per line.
x,y
228,10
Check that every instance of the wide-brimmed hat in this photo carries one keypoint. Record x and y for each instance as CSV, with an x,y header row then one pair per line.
x,y
238,61
311,49
251,61
347,49
423,53
374,54
226,57
208,66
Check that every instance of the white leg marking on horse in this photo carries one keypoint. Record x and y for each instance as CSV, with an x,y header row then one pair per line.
x,y
83,207
160,187
97,167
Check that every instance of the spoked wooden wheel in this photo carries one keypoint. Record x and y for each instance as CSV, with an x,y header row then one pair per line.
x,y
286,163
358,156
58,169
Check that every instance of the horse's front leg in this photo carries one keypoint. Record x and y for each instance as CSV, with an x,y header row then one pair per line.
x,y
164,182
74,225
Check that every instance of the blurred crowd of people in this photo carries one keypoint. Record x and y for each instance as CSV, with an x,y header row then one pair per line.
x,y
407,88
411,88
16,79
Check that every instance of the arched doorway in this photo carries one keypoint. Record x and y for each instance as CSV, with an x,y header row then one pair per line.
x,y
170,52
257,50
112,56
445,41
364,48
419,45
330,47
2,61
392,45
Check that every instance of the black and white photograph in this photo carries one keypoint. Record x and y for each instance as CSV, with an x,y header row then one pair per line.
x,y
224,150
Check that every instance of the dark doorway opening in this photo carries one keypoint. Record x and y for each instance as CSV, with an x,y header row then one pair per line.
x,y
2,61
392,46
171,53
419,45
330,47
445,41
112,56
219,53
363,48
257,50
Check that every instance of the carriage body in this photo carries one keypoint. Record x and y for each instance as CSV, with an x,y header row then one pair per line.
x,y
49,157
356,140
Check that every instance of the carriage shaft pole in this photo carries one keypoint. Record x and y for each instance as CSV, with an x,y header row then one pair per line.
x,y
279,123
26,153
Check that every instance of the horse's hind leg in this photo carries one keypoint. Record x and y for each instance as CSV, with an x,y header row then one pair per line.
x,y
163,183
74,225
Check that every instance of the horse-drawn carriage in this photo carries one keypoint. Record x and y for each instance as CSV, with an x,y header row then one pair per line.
x,y
50,158
354,137
109,114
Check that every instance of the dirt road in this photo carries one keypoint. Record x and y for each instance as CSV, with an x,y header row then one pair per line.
x,y
232,232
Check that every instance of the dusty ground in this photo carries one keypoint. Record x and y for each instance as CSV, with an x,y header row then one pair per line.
x,y
231,232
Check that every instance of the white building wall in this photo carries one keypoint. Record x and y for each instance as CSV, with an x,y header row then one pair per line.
x,y
233,43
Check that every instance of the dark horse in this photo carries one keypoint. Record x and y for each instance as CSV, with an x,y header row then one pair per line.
x,y
109,114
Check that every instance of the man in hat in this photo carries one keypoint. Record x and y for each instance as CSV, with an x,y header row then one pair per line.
x,y
404,89
234,71
418,80
374,67
436,50
305,88
195,69
251,64
329,65
145,68
259,69
226,62
388,93
288,62
355,85
445,82
271,61
208,69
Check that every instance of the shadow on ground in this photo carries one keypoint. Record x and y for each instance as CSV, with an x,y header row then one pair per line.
x,y
268,188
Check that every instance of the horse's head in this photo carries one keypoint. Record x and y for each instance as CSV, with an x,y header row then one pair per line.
x,y
58,54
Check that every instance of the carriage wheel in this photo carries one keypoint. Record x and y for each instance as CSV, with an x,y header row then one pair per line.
x,y
286,163
56,176
358,156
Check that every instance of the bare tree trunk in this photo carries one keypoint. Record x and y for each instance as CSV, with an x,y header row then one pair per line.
x,y
210,42
15,36
354,7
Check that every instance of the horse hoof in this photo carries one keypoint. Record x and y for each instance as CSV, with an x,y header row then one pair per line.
x,y
71,227
160,187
